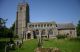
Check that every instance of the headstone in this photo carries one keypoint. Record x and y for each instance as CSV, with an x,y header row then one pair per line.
x,y
39,42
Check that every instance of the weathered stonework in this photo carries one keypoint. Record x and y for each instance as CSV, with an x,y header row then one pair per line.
x,y
22,18
28,30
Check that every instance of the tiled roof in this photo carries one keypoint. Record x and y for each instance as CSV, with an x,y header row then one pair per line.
x,y
65,26
42,22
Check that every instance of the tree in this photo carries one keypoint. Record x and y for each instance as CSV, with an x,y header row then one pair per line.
x,y
78,28
2,27
2,22
13,27
4,31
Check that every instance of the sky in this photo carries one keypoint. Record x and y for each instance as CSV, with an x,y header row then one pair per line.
x,y
60,11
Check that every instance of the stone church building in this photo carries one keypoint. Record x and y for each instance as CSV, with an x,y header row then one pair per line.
x,y
28,30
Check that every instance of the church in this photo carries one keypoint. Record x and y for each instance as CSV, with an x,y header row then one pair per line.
x,y
30,30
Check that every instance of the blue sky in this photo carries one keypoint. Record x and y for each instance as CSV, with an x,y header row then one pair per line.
x,y
60,11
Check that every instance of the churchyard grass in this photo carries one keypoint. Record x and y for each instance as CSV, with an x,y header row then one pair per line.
x,y
64,45
28,46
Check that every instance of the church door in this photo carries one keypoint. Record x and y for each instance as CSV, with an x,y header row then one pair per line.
x,y
28,36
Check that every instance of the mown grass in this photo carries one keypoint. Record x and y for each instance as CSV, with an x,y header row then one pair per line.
x,y
28,46
63,45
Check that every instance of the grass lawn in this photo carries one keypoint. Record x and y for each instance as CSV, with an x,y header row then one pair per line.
x,y
63,45
28,46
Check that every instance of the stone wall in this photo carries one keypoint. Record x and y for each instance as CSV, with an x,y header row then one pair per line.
x,y
69,32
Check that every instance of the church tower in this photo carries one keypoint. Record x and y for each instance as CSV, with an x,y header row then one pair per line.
x,y
22,18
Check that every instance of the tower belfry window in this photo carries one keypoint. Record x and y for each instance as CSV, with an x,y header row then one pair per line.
x,y
20,8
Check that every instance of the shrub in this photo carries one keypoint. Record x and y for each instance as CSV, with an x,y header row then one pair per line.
x,y
2,44
61,36
16,36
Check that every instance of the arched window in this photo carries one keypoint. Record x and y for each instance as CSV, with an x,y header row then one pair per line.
x,y
44,25
50,25
43,32
37,32
20,8
70,32
35,25
32,25
47,25
50,32
41,25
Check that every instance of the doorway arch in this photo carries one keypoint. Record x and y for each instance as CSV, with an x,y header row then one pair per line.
x,y
29,36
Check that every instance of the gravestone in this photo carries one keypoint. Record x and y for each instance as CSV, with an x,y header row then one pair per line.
x,y
39,42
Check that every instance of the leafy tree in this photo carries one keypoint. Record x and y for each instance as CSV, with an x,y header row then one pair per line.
x,y
4,31
78,28
2,27
13,27
1,22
